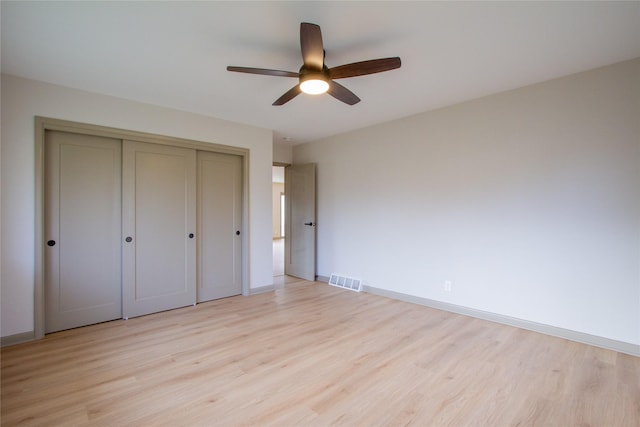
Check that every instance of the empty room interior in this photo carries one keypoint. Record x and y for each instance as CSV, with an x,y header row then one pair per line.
x,y
320,213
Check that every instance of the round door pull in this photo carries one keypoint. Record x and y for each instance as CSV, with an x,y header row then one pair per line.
x,y
237,232
51,243
191,235
128,239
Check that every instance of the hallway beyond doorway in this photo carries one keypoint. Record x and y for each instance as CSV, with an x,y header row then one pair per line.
x,y
278,257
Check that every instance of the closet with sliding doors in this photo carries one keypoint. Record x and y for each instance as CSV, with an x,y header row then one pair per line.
x,y
136,227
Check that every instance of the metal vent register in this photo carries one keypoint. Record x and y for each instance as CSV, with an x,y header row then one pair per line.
x,y
345,282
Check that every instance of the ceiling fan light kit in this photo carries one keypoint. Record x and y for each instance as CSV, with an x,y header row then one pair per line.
x,y
314,83
315,77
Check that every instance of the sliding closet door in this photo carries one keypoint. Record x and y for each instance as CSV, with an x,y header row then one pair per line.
x,y
159,225
82,230
219,225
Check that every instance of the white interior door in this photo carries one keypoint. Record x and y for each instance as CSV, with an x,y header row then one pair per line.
x,y
219,225
159,219
82,230
300,236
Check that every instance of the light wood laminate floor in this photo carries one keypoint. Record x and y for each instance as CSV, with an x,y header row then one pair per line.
x,y
313,355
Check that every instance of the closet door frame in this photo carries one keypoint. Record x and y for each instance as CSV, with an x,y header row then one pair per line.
x,y
43,124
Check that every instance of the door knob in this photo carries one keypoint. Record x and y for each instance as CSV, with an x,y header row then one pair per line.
x,y
191,235
51,243
128,239
309,224
237,232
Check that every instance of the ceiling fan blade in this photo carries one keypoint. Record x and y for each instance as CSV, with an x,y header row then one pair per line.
x,y
263,71
288,95
311,46
342,93
365,67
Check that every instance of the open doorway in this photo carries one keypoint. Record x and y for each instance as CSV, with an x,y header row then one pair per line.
x,y
278,227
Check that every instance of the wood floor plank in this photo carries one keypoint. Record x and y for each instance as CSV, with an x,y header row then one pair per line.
x,y
309,354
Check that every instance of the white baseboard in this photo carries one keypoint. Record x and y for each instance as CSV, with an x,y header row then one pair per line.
x,y
324,279
262,289
619,346
17,339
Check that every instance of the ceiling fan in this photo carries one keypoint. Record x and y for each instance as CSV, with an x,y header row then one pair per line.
x,y
314,75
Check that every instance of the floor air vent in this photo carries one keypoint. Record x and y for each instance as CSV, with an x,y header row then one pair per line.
x,y
345,282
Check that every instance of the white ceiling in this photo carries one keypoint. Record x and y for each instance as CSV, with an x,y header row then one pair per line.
x,y
174,54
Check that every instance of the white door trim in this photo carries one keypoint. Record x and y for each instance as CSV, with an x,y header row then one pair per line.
x,y
43,124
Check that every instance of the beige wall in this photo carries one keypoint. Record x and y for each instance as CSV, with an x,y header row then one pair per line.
x,y
23,99
528,201
282,153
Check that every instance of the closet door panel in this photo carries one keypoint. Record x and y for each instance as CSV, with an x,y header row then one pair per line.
x,y
159,213
219,225
82,230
